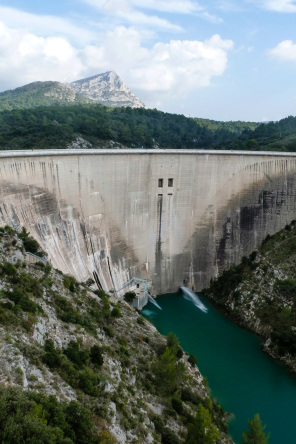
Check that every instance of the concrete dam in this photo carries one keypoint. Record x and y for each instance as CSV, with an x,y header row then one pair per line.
x,y
175,217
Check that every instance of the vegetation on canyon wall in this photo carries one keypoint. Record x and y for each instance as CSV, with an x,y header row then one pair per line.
x,y
260,293
80,366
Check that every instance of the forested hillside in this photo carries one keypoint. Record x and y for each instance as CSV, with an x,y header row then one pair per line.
x,y
58,126
272,136
39,94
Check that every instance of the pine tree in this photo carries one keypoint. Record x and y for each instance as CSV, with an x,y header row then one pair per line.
x,y
256,434
202,431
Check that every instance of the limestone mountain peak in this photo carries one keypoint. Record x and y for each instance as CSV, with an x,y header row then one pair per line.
x,y
106,88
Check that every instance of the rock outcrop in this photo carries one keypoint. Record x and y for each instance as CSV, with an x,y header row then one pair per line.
x,y
67,347
107,88
260,294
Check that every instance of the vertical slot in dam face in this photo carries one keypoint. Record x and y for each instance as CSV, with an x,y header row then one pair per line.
x,y
158,252
159,220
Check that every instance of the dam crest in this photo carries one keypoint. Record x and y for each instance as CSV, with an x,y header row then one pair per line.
x,y
174,217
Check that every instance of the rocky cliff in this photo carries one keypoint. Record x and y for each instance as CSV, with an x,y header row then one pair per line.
x,y
260,294
107,88
78,366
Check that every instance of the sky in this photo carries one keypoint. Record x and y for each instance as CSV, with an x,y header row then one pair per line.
x,y
215,59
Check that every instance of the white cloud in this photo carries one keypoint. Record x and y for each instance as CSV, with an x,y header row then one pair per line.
x,y
26,57
180,66
131,11
44,24
284,51
173,68
140,19
172,6
124,10
276,5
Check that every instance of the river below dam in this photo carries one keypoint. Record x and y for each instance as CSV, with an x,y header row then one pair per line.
x,y
242,378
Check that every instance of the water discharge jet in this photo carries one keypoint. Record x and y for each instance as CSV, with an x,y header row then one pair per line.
x,y
191,296
153,301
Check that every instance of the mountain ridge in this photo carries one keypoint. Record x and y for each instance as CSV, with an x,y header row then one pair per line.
x,y
106,88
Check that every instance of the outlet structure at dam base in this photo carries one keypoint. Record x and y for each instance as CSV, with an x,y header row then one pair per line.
x,y
172,217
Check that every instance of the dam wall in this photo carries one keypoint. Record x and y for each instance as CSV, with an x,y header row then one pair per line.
x,y
172,216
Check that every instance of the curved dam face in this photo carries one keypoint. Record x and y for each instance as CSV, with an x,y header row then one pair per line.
x,y
172,216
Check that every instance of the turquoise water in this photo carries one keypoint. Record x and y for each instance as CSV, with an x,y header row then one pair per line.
x,y
242,378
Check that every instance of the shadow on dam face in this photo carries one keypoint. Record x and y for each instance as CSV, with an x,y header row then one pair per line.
x,y
168,216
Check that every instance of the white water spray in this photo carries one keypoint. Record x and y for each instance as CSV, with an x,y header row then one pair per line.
x,y
191,296
153,301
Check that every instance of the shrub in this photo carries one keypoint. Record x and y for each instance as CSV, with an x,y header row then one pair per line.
x,y
9,230
22,420
192,360
168,372
30,244
253,256
202,430
109,331
70,283
7,317
100,293
179,353
158,423
88,382
140,320
9,269
52,356
177,405
286,286
188,395
80,420
96,356
129,296
115,313
172,340
169,437
77,356
22,301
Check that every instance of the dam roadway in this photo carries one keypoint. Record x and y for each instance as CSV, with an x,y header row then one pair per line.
x,y
172,216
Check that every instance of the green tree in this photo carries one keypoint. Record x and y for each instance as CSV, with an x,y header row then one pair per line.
x,y
172,340
202,430
52,356
255,434
129,296
192,360
75,354
168,372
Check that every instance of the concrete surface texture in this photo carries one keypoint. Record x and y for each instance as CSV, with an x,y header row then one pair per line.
x,y
173,216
